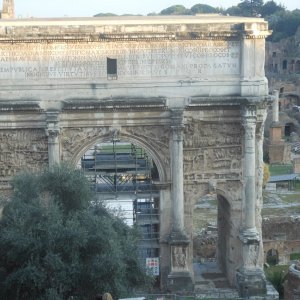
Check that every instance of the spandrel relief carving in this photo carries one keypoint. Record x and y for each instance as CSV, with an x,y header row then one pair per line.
x,y
156,136
22,150
73,139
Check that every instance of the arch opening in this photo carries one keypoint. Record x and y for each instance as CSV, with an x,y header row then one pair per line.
x,y
289,128
122,175
211,232
272,257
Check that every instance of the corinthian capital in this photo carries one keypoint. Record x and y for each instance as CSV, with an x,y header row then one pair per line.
x,y
52,119
249,121
177,132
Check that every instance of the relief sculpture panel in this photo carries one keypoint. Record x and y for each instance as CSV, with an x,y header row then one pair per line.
x,y
22,150
212,150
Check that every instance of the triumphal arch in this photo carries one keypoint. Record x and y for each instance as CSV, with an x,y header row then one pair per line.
x,y
191,91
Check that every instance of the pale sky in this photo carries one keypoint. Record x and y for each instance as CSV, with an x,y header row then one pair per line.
x,y
88,8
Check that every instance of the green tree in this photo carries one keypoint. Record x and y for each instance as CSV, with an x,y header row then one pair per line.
x,y
271,8
175,10
251,8
51,248
285,25
203,9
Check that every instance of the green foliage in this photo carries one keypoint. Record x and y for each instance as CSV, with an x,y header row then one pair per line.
x,y
295,256
203,9
175,10
266,175
271,8
69,188
280,169
285,25
105,15
277,275
251,8
51,249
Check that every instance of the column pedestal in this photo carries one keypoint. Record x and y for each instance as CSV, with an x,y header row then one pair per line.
x,y
251,283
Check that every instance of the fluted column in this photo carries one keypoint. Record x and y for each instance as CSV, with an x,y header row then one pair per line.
x,y
250,276
180,277
53,131
177,178
249,124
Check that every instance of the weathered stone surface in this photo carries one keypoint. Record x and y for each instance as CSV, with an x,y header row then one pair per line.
x,y
179,87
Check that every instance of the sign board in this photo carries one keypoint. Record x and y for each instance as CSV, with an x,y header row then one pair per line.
x,y
152,265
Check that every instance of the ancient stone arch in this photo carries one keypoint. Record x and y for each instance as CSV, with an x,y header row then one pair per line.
x,y
190,90
88,137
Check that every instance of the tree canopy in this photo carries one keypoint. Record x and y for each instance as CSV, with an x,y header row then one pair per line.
x,y
57,242
175,10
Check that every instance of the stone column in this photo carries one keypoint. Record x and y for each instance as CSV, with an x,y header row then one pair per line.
x,y
180,276
53,131
275,108
249,124
250,277
8,9
177,178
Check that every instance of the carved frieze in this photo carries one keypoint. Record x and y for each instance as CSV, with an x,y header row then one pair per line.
x,y
203,134
22,150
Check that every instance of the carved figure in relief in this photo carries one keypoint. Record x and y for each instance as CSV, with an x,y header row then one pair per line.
x,y
20,149
179,257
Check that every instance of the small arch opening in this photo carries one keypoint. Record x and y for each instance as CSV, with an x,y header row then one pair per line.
x,y
211,233
272,257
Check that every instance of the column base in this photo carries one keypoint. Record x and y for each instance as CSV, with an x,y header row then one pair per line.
x,y
178,237
249,236
180,282
251,283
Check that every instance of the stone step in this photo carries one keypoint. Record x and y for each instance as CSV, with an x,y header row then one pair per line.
x,y
217,294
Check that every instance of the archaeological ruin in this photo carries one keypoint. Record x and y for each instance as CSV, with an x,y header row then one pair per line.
x,y
188,91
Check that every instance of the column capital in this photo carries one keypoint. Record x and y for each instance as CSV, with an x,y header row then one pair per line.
x,y
249,111
249,119
177,125
177,132
52,129
177,116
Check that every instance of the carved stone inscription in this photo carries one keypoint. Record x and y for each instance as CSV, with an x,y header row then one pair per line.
x,y
212,149
22,150
198,59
